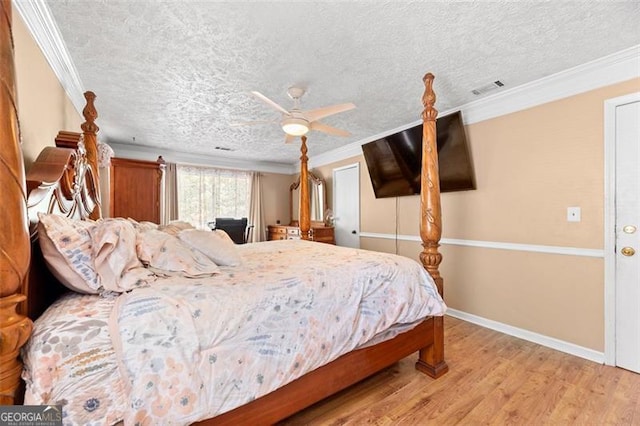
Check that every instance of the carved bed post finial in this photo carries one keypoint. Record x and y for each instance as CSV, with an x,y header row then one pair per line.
x,y
430,218
90,130
15,247
305,212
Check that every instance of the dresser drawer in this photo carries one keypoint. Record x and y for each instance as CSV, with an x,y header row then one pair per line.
x,y
277,230
324,235
277,236
321,234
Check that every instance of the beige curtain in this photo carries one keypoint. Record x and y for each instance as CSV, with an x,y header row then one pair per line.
x,y
170,194
256,212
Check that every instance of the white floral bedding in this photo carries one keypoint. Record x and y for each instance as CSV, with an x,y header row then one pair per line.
x,y
192,348
70,361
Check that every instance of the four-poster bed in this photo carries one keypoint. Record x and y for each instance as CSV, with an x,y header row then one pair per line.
x,y
64,181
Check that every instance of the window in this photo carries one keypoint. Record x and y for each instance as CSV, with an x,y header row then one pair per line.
x,y
205,193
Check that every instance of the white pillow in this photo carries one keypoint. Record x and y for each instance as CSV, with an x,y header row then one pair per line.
x,y
216,245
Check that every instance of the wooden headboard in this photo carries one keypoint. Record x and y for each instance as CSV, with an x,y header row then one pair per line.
x,y
60,181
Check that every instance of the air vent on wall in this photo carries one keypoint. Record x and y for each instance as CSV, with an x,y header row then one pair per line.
x,y
488,88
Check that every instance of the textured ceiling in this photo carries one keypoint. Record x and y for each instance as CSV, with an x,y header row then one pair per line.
x,y
175,74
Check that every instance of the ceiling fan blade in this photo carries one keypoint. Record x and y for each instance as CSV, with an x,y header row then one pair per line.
x,y
320,113
269,102
321,127
289,138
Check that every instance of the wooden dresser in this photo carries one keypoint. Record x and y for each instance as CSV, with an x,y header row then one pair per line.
x,y
137,189
322,234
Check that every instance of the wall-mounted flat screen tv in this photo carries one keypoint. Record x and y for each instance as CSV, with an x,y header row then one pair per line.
x,y
394,162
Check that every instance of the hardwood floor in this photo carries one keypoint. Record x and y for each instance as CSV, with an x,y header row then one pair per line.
x,y
493,379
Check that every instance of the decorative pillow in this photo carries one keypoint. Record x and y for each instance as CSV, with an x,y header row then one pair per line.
x,y
216,245
115,258
174,227
165,254
66,247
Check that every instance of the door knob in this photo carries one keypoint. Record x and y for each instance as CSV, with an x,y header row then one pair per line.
x,y
628,251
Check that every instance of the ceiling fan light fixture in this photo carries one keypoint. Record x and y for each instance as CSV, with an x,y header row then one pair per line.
x,y
295,126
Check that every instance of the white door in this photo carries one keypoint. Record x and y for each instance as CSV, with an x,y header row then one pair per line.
x,y
627,227
346,205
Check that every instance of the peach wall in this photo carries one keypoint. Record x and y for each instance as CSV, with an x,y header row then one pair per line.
x,y
43,106
530,166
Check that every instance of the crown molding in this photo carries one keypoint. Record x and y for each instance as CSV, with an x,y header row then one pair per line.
x,y
143,152
38,19
611,69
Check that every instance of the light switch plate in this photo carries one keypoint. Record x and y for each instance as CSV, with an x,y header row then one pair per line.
x,y
573,214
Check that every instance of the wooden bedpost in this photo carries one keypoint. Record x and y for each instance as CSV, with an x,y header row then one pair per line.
x,y
90,130
305,214
431,359
15,247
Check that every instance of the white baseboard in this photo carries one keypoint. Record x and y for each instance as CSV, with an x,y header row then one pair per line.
x,y
550,342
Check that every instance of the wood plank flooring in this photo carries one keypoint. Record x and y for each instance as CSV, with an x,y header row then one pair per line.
x,y
493,379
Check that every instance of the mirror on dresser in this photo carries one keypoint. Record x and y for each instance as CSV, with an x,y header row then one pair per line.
x,y
317,200
317,203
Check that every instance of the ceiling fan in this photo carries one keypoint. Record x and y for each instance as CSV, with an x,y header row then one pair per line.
x,y
297,122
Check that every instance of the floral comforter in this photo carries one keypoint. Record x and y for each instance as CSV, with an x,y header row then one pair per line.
x,y
189,349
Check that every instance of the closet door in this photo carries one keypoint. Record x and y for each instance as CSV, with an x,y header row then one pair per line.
x,y
137,189
627,197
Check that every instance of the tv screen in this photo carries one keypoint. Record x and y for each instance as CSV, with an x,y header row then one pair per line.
x,y
394,162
